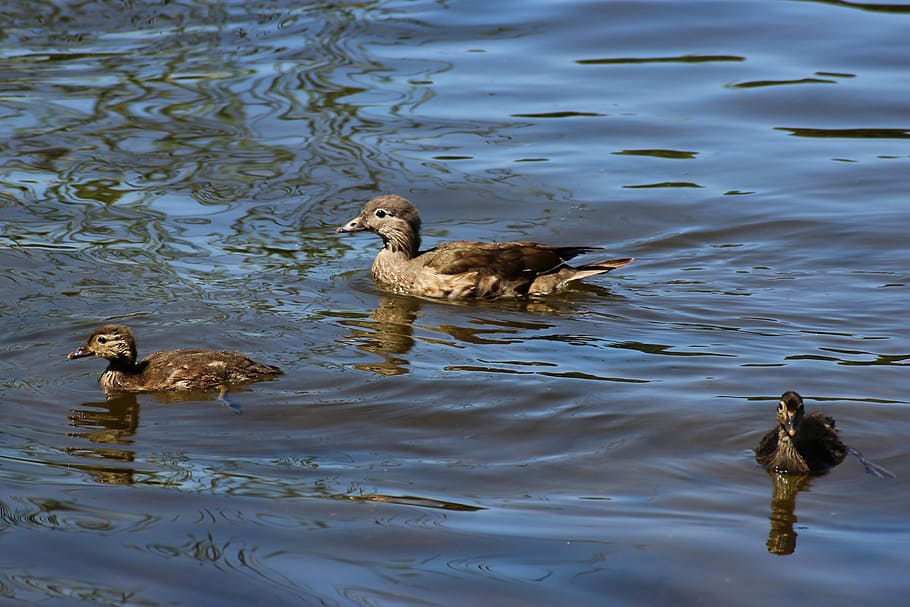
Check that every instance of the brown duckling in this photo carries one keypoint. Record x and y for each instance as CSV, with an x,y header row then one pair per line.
x,y
168,369
464,269
801,442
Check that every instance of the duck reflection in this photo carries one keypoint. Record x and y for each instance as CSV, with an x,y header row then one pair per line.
x,y
108,426
388,331
389,334
782,536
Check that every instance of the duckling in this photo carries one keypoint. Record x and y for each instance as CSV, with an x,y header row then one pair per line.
x,y
463,269
168,369
800,443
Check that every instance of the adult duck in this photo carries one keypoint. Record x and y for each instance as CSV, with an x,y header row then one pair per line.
x,y
464,269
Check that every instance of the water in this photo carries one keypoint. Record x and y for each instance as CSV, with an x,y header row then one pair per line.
x,y
182,168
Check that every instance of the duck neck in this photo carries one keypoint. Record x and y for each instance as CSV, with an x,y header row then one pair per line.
x,y
123,365
402,242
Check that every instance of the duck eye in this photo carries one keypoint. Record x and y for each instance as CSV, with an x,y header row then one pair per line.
x,y
380,213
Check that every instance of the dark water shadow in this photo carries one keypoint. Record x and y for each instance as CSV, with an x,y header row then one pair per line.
x,y
782,535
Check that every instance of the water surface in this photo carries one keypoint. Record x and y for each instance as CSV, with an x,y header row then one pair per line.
x,y
182,169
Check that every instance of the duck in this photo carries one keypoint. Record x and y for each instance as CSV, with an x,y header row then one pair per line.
x,y
464,270
800,443
167,370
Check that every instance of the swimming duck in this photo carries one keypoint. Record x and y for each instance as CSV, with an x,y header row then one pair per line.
x,y
801,442
168,369
464,269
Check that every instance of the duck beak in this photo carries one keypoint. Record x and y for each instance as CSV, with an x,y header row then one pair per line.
x,y
355,225
790,425
79,352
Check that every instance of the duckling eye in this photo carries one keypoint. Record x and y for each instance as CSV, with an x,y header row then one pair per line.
x,y
102,340
780,406
380,213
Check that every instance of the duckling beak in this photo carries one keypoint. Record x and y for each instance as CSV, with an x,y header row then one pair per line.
x,y
79,352
790,425
355,225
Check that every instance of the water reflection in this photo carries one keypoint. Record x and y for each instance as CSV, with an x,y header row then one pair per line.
x,y
388,333
109,427
411,500
25,582
493,331
782,536
143,135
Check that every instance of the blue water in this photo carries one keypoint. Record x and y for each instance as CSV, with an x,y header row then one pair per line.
x,y
182,168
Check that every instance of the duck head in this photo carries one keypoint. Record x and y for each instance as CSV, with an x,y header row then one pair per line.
x,y
790,411
393,218
112,342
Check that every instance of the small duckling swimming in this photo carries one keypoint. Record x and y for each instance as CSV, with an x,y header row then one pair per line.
x,y
169,369
801,443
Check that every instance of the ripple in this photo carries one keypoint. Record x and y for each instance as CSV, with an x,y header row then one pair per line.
x,y
856,133
672,154
413,500
872,358
26,585
563,114
664,184
69,516
676,59
763,83
508,570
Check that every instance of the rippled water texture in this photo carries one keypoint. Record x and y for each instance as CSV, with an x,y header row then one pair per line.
x,y
181,167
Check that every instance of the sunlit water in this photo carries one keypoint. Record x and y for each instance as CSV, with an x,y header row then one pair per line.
x,y
181,167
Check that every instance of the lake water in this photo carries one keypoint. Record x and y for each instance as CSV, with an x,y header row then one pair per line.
x,y
181,167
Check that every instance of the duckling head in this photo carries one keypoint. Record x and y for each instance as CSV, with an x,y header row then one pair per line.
x,y
790,411
112,342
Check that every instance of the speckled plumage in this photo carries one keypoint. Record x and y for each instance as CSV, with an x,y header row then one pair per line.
x,y
464,269
169,369
800,443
